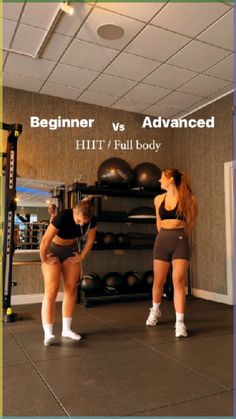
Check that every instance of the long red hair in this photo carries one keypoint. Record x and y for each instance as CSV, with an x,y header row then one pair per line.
x,y
187,204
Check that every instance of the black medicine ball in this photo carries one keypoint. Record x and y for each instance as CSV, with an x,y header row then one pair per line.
x,y
114,171
123,239
113,281
133,279
148,278
90,282
147,175
109,239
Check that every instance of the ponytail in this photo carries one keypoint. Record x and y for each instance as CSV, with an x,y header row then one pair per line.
x,y
187,206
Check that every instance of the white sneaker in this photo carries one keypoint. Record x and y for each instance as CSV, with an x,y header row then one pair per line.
x,y
180,330
48,340
71,335
153,317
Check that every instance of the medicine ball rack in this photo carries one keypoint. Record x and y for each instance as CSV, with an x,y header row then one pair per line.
x,y
78,191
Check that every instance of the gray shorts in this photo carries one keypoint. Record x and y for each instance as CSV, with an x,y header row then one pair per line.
x,y
171,244
62,252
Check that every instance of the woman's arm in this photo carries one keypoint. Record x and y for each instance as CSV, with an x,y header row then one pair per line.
x,y
89,242
157,203
46,241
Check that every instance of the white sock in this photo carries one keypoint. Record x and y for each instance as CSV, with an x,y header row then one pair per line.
x,y
180,317
47,327
48,336
156,306
66,329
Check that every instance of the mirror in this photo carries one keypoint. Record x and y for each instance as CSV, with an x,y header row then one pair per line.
x,y
32,216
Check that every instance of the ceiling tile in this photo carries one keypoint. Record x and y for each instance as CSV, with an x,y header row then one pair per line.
x,y
8,29
221,33
18,82
227,90
112,85
82,53
198,56
190,109
224,69
40,14
69,25
11,10
72,76
178,100
203,86
130,105
54,89
99,17
55,47
29,67
28,39
158,110
139,11
189,18
147,93
156,43
169,76
97,98
131,66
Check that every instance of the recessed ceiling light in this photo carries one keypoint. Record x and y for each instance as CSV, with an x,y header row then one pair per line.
x,y
110,32
65,7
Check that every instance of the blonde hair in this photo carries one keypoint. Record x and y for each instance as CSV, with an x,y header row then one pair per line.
x,y
86,207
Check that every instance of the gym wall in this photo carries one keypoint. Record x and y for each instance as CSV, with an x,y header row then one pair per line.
x,y
50,155
202,154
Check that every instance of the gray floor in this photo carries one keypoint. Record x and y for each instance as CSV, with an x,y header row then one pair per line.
x,y
121,367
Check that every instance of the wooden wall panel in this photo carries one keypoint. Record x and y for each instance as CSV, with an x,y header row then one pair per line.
x,y
50,155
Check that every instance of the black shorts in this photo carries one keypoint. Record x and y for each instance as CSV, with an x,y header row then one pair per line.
x,y
62,252
171,244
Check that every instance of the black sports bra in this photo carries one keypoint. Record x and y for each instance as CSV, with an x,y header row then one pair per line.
x,y
169,214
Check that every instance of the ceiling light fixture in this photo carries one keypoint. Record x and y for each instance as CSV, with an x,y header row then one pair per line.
x,y
65,7
110,32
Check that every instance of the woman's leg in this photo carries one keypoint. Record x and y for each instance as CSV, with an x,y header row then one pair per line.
x,y
71,273
160,269
179,273
51,274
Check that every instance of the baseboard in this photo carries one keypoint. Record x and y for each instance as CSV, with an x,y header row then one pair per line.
x,y
212,296
31,298
205,295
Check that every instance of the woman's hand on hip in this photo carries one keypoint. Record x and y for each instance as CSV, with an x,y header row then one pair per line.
x,y
50,259
77,258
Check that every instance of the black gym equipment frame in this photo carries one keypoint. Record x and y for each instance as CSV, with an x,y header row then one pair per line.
x,y
9,212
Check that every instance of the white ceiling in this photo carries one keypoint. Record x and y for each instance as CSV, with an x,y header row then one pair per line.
x,y
173,58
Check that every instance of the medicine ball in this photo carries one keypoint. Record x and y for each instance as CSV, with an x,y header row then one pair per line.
x,y
147,175
114,171
142,212
133,279
113,281
90,282
109,239
123,239
99,238
148,278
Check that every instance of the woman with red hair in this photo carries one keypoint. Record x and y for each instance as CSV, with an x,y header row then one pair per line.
x,y
176,213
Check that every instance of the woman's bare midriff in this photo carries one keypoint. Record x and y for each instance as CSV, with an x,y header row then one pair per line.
x,y
63,242
170,224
